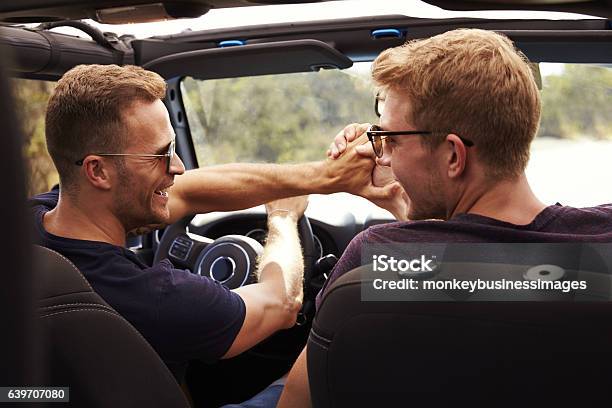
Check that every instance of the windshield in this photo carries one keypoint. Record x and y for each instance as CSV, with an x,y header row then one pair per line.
x,y
293,117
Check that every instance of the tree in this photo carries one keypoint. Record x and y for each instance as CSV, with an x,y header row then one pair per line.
x,y
274,118
576,103
292,117
31,101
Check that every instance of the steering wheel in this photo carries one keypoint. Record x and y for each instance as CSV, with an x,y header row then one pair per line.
x,y
230,260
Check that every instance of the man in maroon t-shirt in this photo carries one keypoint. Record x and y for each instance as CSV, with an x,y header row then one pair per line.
x,y
458,112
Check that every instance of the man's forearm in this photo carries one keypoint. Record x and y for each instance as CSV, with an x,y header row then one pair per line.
x,y
283,249
231,187
296,393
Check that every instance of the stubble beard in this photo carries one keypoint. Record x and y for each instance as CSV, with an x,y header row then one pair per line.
x,y
432,206
133,214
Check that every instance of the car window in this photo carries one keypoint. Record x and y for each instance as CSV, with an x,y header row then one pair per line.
x,y
31,99
275,118
571,156
293,117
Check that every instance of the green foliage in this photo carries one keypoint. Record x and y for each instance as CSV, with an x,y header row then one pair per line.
x,y
576,103
275,118
31,101
293,117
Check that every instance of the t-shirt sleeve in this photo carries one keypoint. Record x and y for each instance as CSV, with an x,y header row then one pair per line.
x,y
200,317
350,259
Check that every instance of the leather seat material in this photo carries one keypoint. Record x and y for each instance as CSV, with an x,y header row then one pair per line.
x,y
440,354
58,275
72,298
92,349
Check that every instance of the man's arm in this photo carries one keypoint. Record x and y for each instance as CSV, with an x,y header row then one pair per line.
x,y
297,389
296,393
231,187
273,303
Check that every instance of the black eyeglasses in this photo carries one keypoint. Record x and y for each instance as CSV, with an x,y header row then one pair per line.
x,y
169,154
376,136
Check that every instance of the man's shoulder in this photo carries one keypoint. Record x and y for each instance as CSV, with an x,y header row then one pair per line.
x,y
602,210
589,221
555,222
416,231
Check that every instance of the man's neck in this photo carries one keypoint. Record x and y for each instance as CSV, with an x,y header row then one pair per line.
x,y
508,200
70,220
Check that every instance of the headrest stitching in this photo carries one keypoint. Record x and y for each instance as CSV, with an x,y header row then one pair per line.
x,y
70,263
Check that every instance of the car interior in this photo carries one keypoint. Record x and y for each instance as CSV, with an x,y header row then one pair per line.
x,y
60,332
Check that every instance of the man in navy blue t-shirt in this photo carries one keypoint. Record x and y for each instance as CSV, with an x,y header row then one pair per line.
x,y
458,112
112,142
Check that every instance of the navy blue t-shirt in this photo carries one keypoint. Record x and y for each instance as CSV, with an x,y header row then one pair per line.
x,y
182,315
554,224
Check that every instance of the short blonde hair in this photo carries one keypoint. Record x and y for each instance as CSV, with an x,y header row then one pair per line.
x,y
84,114
473,83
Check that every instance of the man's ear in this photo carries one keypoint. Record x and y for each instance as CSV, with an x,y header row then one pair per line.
x,y
98,172
456,155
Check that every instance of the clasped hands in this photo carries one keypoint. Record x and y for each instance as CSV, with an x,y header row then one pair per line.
x,y
351,147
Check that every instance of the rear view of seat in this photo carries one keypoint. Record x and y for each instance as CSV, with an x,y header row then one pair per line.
x,y
91,348
536,352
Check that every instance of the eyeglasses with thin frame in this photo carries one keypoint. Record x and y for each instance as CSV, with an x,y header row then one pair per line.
x,y
169,154
376,136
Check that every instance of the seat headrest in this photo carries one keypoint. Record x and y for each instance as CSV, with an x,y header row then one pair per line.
x,y
57,275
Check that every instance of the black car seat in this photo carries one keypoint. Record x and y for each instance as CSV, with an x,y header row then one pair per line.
x,y
92,349
548,350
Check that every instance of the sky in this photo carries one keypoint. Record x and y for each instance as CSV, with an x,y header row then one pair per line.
x,y
242,16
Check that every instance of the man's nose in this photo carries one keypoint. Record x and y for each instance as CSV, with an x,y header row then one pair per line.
x,y
176,166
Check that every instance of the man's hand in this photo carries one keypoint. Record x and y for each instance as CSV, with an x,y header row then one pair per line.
x,y
381,187
351,171
344,137
293,207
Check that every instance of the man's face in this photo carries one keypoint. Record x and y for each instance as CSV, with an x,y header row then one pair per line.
x,y
141,196
413,165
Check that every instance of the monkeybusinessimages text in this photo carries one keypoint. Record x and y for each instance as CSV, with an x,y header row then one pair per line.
x,y
423,264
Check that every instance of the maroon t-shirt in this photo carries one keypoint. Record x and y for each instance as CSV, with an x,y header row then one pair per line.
x,y
555,224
